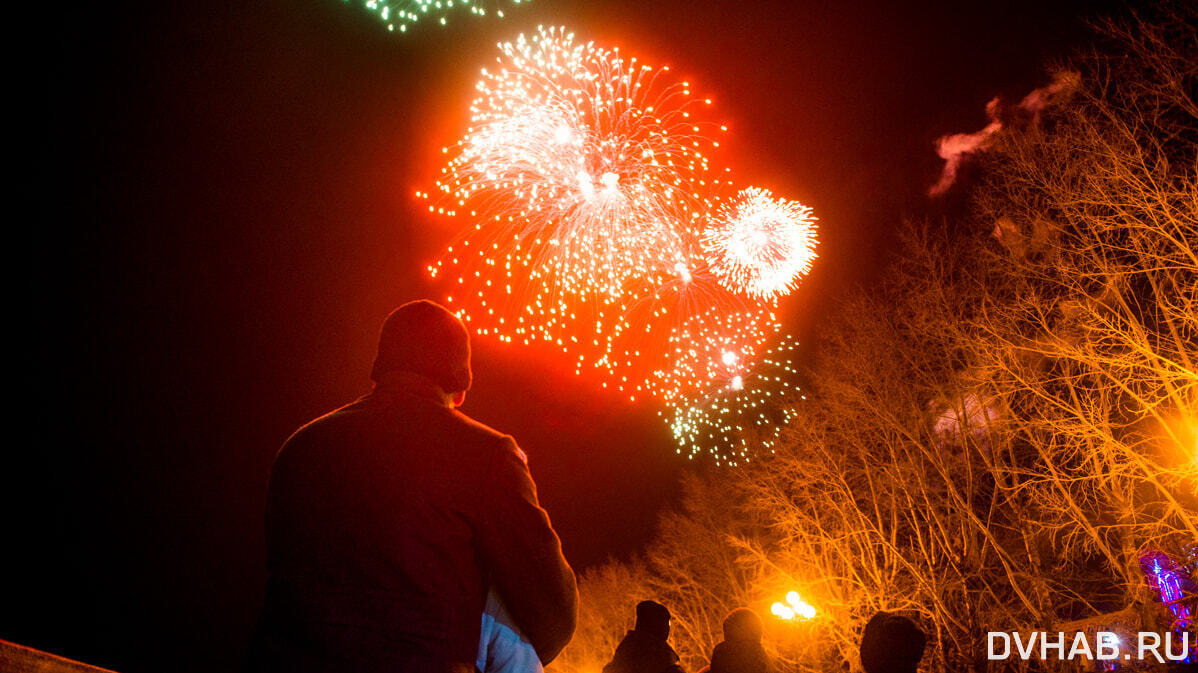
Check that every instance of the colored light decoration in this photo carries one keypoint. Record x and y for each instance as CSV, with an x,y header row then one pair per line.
x,y
1176,587
398,15
1171,581
795,608
760,245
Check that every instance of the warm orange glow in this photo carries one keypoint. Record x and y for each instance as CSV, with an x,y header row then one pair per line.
x,y
1192,431
795,608
1183,430
601,227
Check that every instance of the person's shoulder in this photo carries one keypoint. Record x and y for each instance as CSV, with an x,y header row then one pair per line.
x,y
625,649
673,655
325,424
485,437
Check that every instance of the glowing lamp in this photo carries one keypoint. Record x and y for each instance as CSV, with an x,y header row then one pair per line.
x,y
782,611
794,608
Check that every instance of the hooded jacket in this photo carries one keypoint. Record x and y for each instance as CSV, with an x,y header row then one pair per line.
x,y
739,656
643,652
386,522
741,651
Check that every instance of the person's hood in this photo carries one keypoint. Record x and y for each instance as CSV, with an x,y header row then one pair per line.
x,y
399,384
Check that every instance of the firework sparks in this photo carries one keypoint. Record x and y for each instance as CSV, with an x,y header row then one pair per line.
x,y
729,395
761,245
712,348
398,15
586,178
583,172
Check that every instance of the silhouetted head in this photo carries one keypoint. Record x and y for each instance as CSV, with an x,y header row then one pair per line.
x,y
653,618
424,338
742,624
891,644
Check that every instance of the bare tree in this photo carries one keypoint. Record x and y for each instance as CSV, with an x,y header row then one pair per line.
x,y
694,568
992,440
1057,356
1088,335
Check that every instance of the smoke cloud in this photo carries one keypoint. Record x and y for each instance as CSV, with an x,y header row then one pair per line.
x,y
955,148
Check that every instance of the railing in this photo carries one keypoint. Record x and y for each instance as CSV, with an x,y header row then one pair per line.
x,y
20,659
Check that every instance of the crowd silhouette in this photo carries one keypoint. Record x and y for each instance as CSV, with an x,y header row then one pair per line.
x,y
402,535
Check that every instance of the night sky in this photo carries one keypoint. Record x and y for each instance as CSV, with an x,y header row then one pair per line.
x,y
225,214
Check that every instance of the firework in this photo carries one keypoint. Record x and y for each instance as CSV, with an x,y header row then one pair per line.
x,y
761,245
583,172
596,227
399,14
713,348
747,399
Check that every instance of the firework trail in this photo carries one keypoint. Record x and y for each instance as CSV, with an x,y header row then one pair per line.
x,y
399,14
761,245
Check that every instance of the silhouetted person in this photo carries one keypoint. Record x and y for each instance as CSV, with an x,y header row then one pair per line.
x,y
891,644
644,649
388,520
741,651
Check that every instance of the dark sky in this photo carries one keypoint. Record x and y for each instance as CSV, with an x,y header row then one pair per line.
x,y
225,215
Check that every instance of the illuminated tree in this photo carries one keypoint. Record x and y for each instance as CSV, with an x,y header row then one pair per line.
x,y
1089,335
607,609
1000,436
694,567
992,440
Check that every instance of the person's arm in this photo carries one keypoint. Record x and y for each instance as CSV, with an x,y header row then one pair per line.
x,y
524,556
